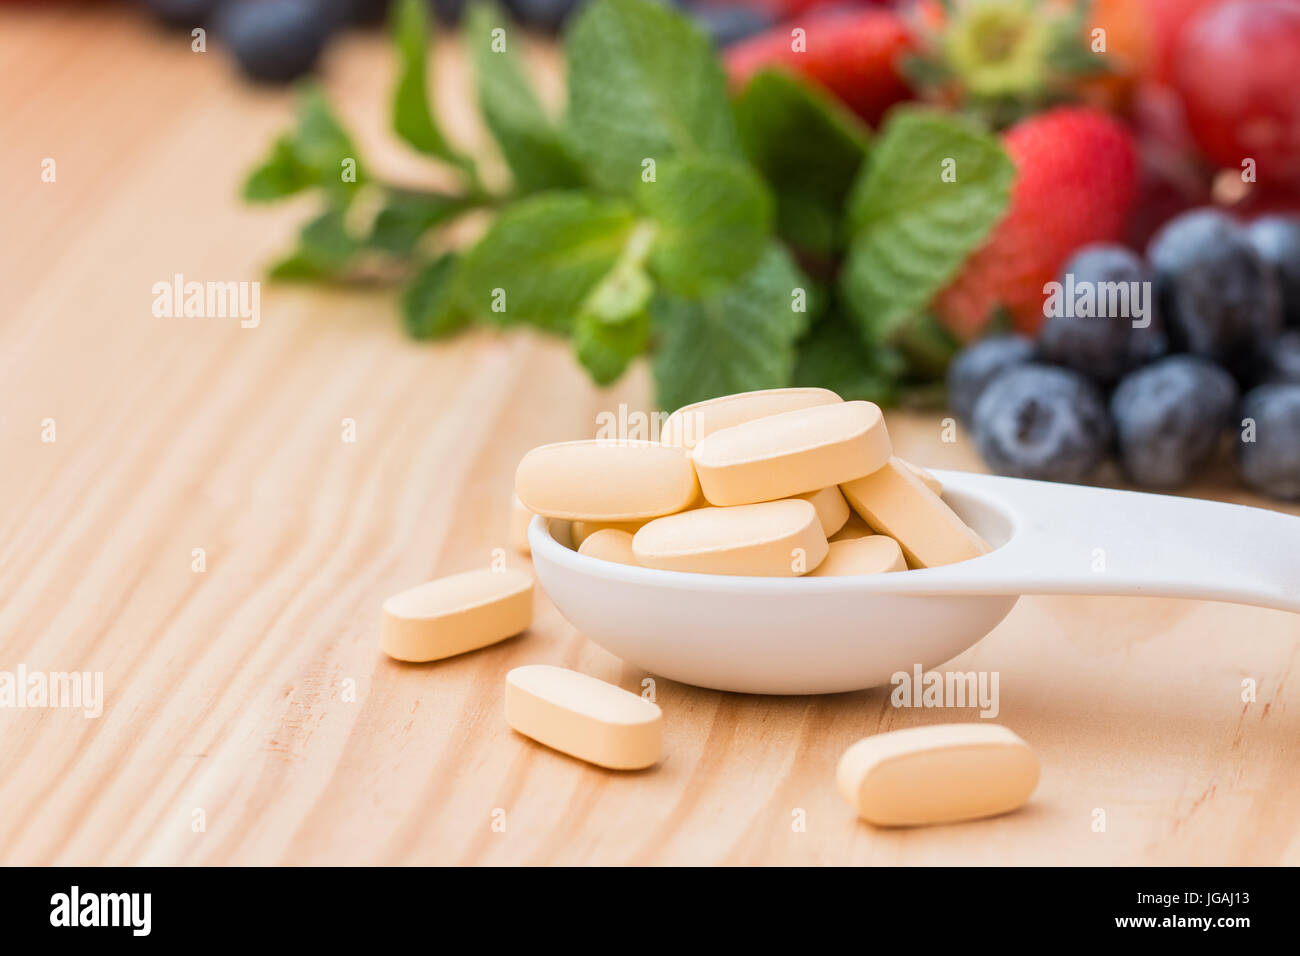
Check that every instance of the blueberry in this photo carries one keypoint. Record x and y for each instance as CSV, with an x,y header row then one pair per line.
x,y
1103,342
1271,463
977,365
1041,421
1170,417
1281,362
182,13
546,15
730,23
1217,295
1277,239
276,41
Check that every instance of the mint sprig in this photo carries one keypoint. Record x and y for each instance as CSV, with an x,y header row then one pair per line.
x,y
655,215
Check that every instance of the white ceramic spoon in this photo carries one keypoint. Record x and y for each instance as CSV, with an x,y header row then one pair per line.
x,y
824,635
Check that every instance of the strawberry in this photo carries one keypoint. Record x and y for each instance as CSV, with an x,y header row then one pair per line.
x,y
1076,179
854,54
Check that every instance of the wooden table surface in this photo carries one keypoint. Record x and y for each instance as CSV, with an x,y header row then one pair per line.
x,y
252,696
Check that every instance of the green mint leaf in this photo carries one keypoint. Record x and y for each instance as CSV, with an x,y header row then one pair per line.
x,y
834,356
296,267
809,148
413,118
281,174
533,147
622,294
613,326
326,241
325,249
912,229
713,217
605,349
735,339
428,304
927,346
318,152
320,139
542,257
644,84
406,216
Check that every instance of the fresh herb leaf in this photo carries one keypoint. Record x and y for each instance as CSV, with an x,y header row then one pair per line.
x,y
713,219
413,117
834,356
281,174
644,85
912,229
533,147
325,249
428,303
927,345
809,148
606,348
735,339
317,153
406,216
542,257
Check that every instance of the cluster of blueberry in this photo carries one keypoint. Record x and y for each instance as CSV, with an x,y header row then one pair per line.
x,y
276,41
1162,383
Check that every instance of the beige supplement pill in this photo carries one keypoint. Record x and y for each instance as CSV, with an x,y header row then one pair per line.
x,y
872,554
931,482
599,480
456,614
832,509
791,453
895,502
688,425
580,531
855,527
584,717
770,539
609,544
519,519
940,774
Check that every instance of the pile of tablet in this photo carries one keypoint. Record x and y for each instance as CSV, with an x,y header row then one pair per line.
x,y
762,483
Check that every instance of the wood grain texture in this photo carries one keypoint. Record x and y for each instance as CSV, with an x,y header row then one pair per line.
x,y
226,690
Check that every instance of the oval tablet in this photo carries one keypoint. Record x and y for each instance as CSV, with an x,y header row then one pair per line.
x,y
584,717
790,453
871,554
609,544
770,539
580,531
456,614
927,479
598,480
939,774
832,509
688,425
895,502
855,527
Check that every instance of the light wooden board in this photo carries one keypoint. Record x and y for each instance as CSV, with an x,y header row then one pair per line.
x,y
227,691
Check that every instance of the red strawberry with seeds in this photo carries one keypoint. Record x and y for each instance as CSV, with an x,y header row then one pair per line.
x,y
854,54
1076,180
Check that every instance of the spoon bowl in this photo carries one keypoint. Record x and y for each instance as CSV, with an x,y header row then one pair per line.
x,y
811,635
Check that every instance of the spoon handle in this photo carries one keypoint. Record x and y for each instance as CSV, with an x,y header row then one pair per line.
x,y
1071,539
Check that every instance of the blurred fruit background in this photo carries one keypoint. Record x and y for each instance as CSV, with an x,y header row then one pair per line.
x,y
1153,145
